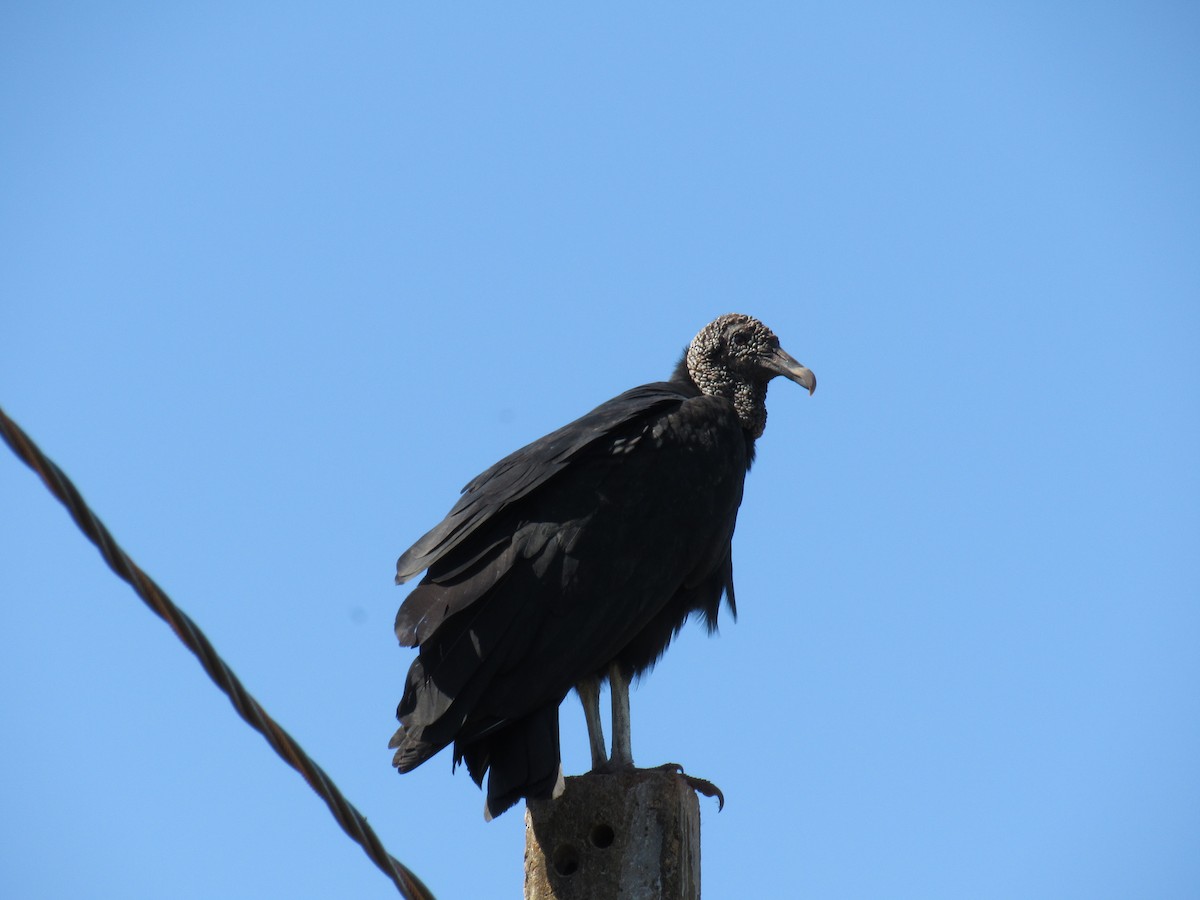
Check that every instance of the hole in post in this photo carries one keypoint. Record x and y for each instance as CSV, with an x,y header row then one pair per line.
x,y
566,859
602,836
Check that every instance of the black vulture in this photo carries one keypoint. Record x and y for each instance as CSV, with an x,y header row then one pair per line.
x,y
577,559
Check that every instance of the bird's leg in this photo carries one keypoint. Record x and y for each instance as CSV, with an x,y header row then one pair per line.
x,y
622,750
589,695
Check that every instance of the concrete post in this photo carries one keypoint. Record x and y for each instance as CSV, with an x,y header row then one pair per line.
x,y
634,835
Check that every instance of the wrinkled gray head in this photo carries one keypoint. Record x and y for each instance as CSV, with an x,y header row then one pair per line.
x,y
734,357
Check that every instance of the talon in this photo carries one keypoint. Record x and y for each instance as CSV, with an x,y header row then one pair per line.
x,y
699,785
705,787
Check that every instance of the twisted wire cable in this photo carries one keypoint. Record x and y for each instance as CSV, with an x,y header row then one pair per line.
x,y
351,820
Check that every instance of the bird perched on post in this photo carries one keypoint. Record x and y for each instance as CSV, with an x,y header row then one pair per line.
x,y
577,559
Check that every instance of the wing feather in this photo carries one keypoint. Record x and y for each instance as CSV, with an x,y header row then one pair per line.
x,y
530,467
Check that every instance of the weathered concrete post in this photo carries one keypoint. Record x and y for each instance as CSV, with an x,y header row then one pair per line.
x,y
634,835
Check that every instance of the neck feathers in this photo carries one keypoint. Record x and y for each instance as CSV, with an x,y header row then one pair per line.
x,y
749,398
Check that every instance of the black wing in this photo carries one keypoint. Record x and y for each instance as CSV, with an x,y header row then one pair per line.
x,y
589,546
492,492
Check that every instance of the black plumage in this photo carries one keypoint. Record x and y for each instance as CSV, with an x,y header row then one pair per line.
x,y
578,558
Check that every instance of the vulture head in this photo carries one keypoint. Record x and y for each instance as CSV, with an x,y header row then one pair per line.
x,y
735,356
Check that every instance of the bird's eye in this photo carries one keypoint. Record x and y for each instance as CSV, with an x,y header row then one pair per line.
x,y
739,339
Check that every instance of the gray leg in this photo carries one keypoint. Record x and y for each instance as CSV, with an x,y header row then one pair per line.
x,y
622,751
589,696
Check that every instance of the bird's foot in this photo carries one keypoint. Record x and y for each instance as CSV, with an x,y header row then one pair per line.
x,y
699,785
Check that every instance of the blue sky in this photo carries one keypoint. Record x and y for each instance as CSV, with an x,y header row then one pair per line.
x,y
277,280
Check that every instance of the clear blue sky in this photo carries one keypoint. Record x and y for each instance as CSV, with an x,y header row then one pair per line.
x,y
276,280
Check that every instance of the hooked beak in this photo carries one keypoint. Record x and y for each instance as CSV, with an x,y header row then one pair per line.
x,y
781,363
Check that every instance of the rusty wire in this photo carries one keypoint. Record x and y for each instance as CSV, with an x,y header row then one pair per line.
x,y
348,817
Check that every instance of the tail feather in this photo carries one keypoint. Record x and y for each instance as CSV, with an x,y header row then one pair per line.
x,y
521,760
